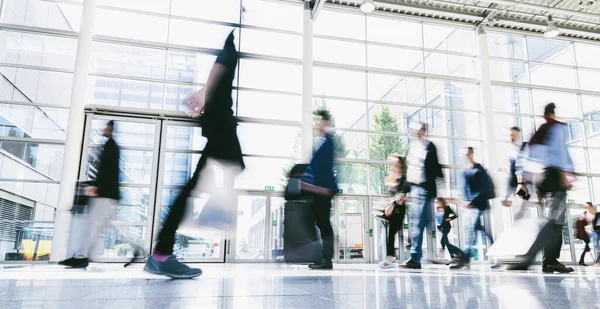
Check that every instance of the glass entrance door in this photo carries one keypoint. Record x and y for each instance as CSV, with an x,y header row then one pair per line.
x,y
138,140
259,228
180,150
157,159
351,224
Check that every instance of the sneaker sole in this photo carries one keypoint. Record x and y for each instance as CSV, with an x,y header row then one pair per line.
x,y
174,276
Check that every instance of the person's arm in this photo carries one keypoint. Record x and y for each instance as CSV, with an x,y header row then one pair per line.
x,y
216,75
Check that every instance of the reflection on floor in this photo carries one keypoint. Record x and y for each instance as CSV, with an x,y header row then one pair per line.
x,y
285,286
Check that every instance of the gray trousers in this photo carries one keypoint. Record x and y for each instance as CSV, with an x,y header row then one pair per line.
x,y
86,228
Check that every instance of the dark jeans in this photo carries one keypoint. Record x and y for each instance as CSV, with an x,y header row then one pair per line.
x,y
396,224
452,249
321,209
224,146
585,250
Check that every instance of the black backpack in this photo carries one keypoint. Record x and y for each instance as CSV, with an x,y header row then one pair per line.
x,y
490,188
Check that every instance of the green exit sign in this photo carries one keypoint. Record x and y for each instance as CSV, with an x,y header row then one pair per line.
x,y
269,188
274,223
341,191
571,202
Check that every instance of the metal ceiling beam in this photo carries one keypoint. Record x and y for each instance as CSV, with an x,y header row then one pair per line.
x,y
317,7
552,10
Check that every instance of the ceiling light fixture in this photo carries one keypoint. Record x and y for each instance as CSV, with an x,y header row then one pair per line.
x,y
367,6
551,30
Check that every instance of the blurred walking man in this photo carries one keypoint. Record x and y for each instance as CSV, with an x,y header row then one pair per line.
x,y
423,171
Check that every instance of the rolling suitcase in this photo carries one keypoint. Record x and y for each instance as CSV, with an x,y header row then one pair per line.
x,y
301,239
523,240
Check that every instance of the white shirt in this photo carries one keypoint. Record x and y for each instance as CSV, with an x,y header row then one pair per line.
x,y
416,161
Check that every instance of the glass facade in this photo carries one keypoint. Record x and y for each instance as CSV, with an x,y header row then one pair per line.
x,y
373,80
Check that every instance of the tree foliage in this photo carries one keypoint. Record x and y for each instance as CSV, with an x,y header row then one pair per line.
x,y
381,146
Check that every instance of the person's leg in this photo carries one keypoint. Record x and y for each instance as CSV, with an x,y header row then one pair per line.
x,y
444,240
472,216
585,250
553,244
596,244
100,210
419,214
322,212
395,226
166,237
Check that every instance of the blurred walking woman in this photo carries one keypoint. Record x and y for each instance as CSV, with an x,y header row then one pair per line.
x,y
396,210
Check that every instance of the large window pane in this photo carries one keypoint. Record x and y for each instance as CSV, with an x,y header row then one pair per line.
x,y
587,55
271,75
341,24
578,158
550,51
124,92
352,178
389,118
346,114
155,6
395,58
27,121
567,105
339,52
384,30
46,159
398,89
251,227
179,167
176,93
25,85
593,133
588,80
274,140
127,60
507,46
218,10
185,138
594,154
139,27
446,122
350,145
269,106
340,83
197,34
450,39
133,206
452,94
581,191
512,72
271,14
132,134
44,14
261,172
511,100
37,50
273,44
188,67
553,76
444,64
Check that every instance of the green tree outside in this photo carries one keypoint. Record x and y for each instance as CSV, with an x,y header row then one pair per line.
x,y
381,146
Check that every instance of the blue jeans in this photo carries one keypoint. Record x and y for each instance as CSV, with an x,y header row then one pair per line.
x,y
475,226
420,215
596,244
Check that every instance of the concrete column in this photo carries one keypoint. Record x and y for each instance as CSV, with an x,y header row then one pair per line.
x,y
307,89
488,126
74,133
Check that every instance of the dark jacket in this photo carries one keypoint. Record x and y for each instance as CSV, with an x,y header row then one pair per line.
x,y
320,169
448,214
433,170
475,186
107,179
402,186
580,232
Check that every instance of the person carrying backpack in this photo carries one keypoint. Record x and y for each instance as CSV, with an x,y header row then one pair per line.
x,y
478,190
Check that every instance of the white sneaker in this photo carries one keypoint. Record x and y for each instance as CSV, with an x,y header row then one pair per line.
x,y
387,265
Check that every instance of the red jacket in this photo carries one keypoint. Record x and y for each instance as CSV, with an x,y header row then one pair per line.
x,y
580,228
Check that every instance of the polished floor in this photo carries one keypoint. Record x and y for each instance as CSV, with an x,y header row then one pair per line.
x,y
294,286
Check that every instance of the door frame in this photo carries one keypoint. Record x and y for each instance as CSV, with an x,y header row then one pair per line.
x,y
89,118
367,225
232,242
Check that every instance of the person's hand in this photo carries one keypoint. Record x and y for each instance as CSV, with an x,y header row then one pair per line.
x,y
388,210
470,206
400,199
195,103
90,191
506,203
